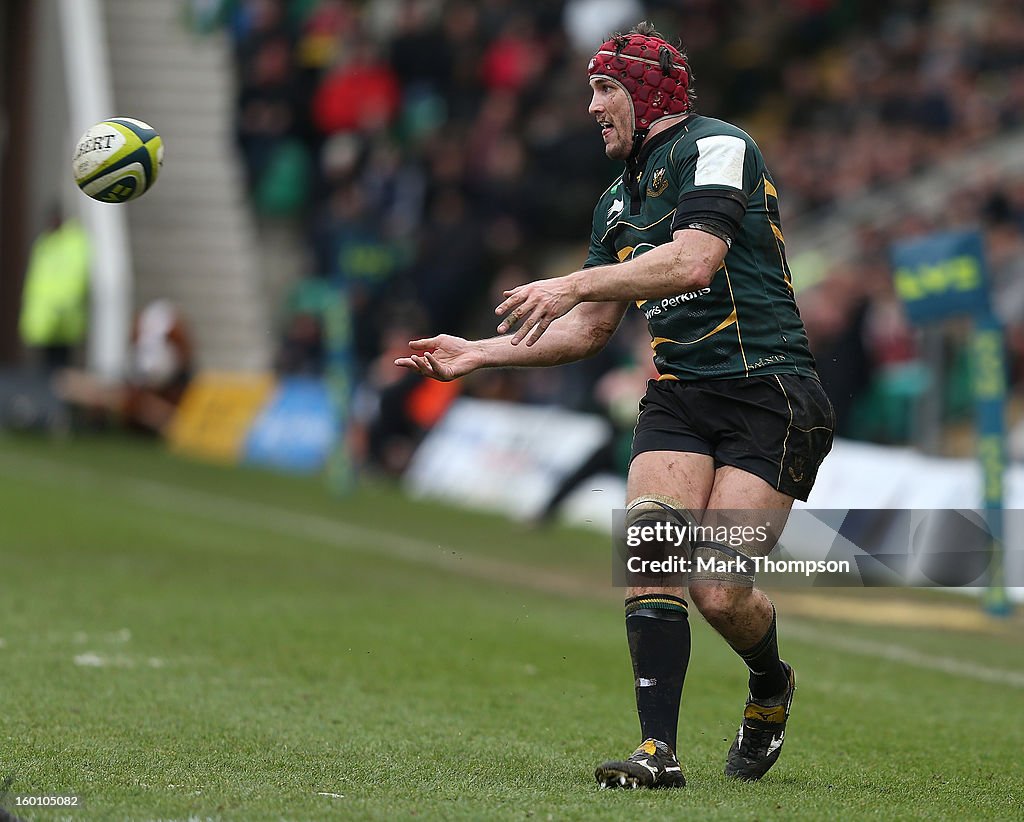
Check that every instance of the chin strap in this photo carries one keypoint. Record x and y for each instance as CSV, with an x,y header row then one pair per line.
x,y
639,135
631,174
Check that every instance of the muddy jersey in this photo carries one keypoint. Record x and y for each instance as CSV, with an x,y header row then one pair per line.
x,y
746,322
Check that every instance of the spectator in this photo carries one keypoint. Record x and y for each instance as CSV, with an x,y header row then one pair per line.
x,y
394,408
448,262
160,369
267,94
54,303
361,94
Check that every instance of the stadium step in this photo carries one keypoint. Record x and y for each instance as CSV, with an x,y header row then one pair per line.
x,y
193,239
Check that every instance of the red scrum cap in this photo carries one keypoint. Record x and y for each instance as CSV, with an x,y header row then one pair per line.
x,y
654,74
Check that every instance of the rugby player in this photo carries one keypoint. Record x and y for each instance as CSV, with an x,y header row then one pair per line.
x,y
737,420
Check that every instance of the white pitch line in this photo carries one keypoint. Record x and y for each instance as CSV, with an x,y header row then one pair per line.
x,y
373,541
908,656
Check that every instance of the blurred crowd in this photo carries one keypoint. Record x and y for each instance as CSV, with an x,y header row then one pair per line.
x,y
436,152
871,360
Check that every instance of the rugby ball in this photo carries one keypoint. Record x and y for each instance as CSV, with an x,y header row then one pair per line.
x,y
118,160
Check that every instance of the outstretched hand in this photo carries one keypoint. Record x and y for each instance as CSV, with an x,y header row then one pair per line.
x,y
535,306
442,358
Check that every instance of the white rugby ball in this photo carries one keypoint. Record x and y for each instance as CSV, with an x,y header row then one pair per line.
x,y
118,160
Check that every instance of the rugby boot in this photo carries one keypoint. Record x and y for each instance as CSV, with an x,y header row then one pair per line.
x,y
759,740
652,765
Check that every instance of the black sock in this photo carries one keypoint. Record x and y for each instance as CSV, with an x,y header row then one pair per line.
x,y
659,644
767,675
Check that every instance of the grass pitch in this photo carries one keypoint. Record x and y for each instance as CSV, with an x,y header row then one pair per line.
x,y
185,641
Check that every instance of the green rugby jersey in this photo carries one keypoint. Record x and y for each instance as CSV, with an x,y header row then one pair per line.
x,y
746,323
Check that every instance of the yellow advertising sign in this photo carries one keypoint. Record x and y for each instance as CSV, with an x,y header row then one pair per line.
x,y
216,413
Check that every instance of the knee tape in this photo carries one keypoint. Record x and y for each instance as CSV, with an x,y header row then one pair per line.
x,y
716,562
658,509
666,518
657,541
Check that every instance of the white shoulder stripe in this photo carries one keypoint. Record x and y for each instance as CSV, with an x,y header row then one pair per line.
x,y
720,161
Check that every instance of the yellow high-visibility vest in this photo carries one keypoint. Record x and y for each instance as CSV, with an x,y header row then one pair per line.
x,y
54,302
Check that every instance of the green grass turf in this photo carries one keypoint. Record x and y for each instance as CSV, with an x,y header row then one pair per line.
x,y
255,642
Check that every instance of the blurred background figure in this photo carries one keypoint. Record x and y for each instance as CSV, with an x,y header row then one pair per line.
x,y
394,409
160,368
55,295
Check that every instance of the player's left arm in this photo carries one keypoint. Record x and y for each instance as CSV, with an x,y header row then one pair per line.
x,y
687,263
715,177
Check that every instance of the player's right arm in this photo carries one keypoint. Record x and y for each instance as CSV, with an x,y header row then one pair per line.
x,y
579,334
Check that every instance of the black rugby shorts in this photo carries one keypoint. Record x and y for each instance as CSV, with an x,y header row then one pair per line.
x,y
778,427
